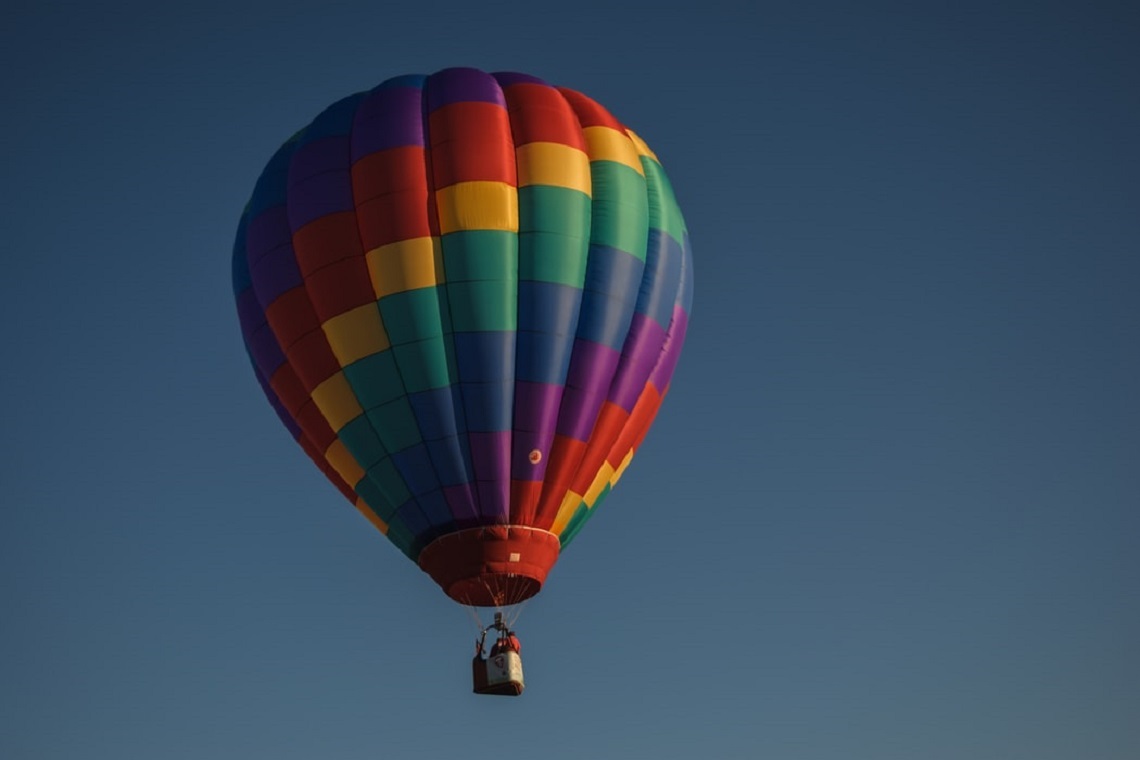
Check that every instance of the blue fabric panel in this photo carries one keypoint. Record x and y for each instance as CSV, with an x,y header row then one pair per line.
x,y
447,457
435,413
542,357
613,272
605,319
548,307
484,357
488,405
414,465
658,290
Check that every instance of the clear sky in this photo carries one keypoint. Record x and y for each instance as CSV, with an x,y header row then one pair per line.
x,y
889,510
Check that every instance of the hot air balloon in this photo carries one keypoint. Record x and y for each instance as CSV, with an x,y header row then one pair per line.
x,y
464,294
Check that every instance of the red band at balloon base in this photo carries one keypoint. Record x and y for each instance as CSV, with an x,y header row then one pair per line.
x,y
491,566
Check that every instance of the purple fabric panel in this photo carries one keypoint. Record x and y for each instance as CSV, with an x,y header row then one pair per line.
x,y
267,232
320,180
320,195
462,86
672,349
536,406
317,157
535,420
579,412
461,500
507,78
250,314
491,461
265,351
592,365
640,354
293,428
275,273
388,117
522,444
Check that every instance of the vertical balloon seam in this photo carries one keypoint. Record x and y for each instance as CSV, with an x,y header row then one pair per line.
x,y
398,533
401,531
394,531
477,198
420,351
394,512
284,373
615,460
613,158
443,291
528,227
240,261
464,492
512,427
562,491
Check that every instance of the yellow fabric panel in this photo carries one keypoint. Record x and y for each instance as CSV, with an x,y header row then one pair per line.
x,y
478,205
371,516
565,511
601,480
621,468
547,163
605,144
337,402
343,462
642,148
406,265
356,334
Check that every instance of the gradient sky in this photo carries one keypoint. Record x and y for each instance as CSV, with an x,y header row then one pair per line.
x,y
888,511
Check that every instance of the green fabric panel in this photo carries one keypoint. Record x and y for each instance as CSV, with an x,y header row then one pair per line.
x,y
581,515
480,255
396,425
399,535
412,315
375,379
383,489
362,442
543,208
546,257
423,365
664,213
484,305
620,208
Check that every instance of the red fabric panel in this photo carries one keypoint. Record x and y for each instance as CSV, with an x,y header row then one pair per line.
x,y
340,287
610,422
395,217
565,456
316,429
590,113
639,421
540,114
292,317
312,359
389,171
289,389
524,499
327,239
324,466
474,142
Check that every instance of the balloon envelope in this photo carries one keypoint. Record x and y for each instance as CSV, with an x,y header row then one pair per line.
x,y
465,294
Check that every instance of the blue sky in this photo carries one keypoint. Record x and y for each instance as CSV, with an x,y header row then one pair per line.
x,y
889,509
